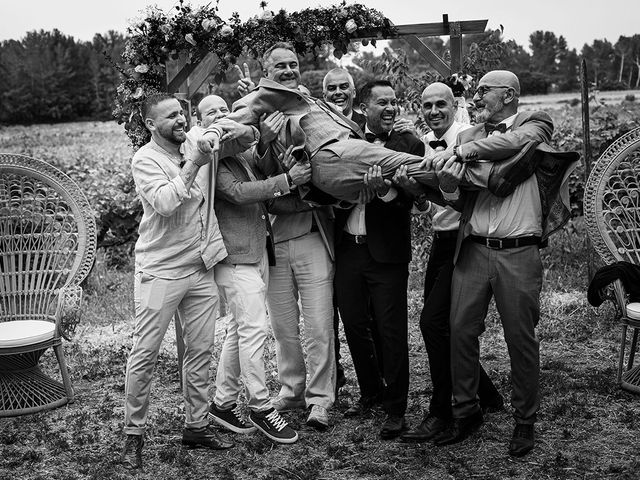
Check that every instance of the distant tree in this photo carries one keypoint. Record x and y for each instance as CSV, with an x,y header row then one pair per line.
x,y
107,49
599,57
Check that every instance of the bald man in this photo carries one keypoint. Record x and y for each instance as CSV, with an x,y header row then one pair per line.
x,y
439,110
498,255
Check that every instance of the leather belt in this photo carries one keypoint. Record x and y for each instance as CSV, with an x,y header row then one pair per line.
x,y
501,243
357,239
445,234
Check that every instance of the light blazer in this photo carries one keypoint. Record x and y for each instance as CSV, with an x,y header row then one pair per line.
x,y
270,96
242,212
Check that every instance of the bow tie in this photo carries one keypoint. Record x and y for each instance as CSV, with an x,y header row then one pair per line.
x,y
492,127
384,136
438,143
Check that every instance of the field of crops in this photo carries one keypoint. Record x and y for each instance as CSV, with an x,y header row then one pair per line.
x,y
587,427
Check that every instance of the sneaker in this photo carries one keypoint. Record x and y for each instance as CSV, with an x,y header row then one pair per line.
x,y
231,419
132,453
204,437
318,417
285,405
273,426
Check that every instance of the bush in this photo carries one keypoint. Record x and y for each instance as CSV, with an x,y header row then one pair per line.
x,y
629,97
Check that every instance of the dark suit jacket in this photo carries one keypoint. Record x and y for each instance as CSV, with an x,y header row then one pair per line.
x,y
388,223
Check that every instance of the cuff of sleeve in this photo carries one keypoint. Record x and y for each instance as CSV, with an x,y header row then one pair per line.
x,y
214,129
389,196
451,196
181,188
284,185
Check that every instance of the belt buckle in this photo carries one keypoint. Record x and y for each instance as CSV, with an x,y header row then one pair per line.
x,y
494,243
360,239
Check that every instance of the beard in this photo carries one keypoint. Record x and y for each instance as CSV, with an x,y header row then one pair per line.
x,y
487,112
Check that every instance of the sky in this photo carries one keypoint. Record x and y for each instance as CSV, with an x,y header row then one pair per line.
x,y
573,19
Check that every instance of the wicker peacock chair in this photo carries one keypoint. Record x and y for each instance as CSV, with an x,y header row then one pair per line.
x,y
612,216
47,247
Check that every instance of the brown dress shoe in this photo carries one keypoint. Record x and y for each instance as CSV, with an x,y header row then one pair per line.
x,y
459,429
393,427
204,438
429,428
132,453
522,440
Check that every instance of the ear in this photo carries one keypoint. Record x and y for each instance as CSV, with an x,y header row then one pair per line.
x,y
363,109
509,95
150,124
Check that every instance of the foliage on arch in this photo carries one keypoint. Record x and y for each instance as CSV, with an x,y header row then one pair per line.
x,y
157,37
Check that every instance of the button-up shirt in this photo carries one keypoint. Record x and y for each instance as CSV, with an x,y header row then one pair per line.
x,y
356,224
179,231
517,215
444,218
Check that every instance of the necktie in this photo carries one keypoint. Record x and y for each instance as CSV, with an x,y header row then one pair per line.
x,y
438,143
384,136
492,127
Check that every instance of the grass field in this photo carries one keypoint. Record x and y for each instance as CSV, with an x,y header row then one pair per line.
x,y
587,426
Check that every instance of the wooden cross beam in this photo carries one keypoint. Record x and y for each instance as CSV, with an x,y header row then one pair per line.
x,y
186,78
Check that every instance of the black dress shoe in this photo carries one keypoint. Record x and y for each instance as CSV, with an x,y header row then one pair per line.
x,y
459,429
393,427
492,406
522,440
132,454
204,438
429,428
362,406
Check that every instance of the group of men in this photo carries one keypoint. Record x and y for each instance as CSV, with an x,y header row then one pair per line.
x,y
254,228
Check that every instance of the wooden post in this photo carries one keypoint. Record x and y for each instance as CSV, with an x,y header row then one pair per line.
x,y
586,149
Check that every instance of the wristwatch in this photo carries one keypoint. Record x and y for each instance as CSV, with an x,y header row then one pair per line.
x,y
290,181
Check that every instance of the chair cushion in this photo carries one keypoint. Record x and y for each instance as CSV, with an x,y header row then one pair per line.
x,y
633,310
25,332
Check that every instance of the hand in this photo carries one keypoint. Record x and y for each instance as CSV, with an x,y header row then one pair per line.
x,y
401,179
450,173
402,125
209,143
200,158
366,195
270,125
232,129
300,173
245,84
287,160
374,180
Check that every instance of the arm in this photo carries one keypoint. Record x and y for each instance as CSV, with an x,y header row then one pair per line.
x,y
538,127
239,192
164,194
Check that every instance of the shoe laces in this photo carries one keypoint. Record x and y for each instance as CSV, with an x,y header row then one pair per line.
x,y
237,412
276,420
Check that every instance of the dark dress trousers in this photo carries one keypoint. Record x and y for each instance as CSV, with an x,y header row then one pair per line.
x,y
371,281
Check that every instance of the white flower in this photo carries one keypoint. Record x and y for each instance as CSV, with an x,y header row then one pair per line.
x,y
165,28
142,68
351,25
226,31
208,24
266,15
189,38
137,93
321,28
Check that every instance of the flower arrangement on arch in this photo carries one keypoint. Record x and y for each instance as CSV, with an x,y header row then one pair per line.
x,y
157,37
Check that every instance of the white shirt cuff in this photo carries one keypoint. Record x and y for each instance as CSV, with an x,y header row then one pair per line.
x,y
451,196
390,195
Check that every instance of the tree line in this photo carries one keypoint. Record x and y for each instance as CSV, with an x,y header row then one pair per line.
x,y
51,77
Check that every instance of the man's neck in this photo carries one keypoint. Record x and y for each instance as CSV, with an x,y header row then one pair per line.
x,y
441,131
165,144
501,115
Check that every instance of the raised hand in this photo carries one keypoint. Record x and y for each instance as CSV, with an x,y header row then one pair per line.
x,y
450,173
300,173
401,179
209,143
270,125
245,84
374,180
402,125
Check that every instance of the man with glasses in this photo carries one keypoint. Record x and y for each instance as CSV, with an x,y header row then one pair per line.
x,y
500,256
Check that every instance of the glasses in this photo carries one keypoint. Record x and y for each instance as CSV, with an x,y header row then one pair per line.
x,y
482,90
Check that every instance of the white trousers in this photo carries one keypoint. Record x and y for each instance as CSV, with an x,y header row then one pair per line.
x,y
244,290
303,270
156,300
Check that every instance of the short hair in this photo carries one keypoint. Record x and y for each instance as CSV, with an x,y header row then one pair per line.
x,y
365,92
338,70
153,100
267,54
